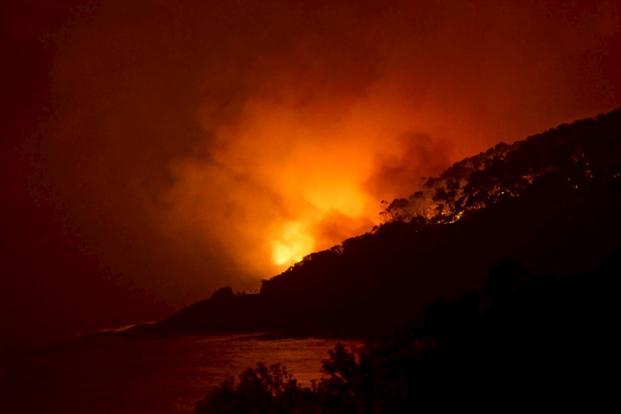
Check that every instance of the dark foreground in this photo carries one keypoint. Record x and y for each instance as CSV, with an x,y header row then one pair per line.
x,y
139,376
523,342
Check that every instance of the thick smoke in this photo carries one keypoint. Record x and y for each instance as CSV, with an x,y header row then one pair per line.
x,y
169,148
354,107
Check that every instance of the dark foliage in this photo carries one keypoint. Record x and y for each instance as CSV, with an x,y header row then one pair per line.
x,y
523,342
259,390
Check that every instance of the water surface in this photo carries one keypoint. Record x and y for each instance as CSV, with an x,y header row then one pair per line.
x,y
119,375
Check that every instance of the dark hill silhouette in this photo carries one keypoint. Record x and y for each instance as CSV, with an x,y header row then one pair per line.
x,y
550,203
520,342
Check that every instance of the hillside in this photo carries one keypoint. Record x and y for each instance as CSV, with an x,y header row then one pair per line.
x,y
518,342
549,203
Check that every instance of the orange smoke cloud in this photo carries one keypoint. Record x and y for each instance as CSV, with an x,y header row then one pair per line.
x,y
164,149
284,179
321,127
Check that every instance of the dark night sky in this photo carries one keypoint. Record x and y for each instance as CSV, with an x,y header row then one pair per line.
x,y
153,151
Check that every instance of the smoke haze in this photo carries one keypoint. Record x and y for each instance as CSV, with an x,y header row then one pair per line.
x,y
155,151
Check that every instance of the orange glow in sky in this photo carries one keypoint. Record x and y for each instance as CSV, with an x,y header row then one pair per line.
x,y
167,151
295,180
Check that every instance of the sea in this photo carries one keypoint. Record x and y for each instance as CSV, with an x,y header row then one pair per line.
x,y
119,375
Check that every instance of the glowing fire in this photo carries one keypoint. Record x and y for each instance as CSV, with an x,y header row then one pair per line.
x,y
283,181
294,243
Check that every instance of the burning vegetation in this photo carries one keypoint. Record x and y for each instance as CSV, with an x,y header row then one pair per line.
x,y
506,171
